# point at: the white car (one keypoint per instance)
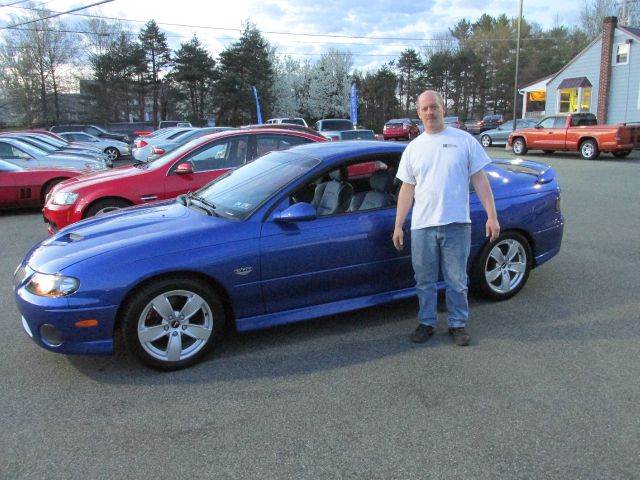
(290, 120)
(114, 149)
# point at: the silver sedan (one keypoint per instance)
(114, 149)
(499, 135)
(27, 155)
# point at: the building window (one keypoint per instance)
(622, 54)
(573, 100)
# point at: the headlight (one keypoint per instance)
(64, 198)
(47, 285)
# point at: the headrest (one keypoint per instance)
(336, 175)
(381, 181)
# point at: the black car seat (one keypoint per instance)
(379, 196)
(333, 196)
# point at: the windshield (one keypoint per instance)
(29, 148)
(178, 133)
(294, 121)
(37, 144)
(240, 192)
(336, 125)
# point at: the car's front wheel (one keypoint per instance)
(485, 140)
(503, 267)
(112, 153)
(171, 323)
(519, 146)
(107, 205)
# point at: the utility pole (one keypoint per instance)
(515, 86)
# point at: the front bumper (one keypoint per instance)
(59, 216)
(42, 313)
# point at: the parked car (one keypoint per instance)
(488, 122)
(455, 122)
(165, 145)
(499, 135)
(400, 129)
(286, 238)
(329, 126)
(578, 132)
(173, 123)
(113, 149)
(286, 126)
(360, 134)
(53, 145)
(143, 147)
(91, 130)
(185, 169)
(289, 120)
(24, 187)
(27, 155)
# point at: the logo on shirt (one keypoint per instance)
(449, 145)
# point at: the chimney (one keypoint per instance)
(608, 29)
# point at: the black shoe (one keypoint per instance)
(422, 333)
(460, 336)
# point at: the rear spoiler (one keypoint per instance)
(544, 173)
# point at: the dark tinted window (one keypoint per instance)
(269, 143)
(337, 125)
(294, 121)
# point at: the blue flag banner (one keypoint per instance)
(258, 112)
(354, 105)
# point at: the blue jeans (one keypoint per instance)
(444, 247)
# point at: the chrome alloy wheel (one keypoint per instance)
(588, 150)
(506, 266)
(175, 325)
(485, 140)
(112, 153)
(518, 146)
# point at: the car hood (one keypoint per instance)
(135, 233)
(90, 179)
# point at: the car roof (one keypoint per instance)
(334, 152)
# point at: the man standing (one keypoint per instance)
(435, 170)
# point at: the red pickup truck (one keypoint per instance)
(578, 132)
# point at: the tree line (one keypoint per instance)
(126, 73)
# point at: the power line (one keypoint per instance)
(14, 3)
(206, 27)
(57, 14)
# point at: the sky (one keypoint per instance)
(315, 27)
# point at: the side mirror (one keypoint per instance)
(184, 168)
(537, 126)
(298, 212)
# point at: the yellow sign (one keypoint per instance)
(538, 96)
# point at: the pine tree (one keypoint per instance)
(158, 57)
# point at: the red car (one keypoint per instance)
(184, 169)
(400, 129)
(23, 188)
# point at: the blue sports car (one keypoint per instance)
(294, 235)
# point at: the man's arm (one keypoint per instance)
(483, 190)
(405, 201)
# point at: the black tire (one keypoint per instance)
(519, 146)
(484, 264)
(105, 206)
(548, 152)
(149, 353)
(485, 141)
(589, 150)
(112, 153)
(621, 153)
(47, 188)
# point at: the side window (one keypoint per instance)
(268, 143)
(547, 122)
(227, 154)
(93, 131)
(560, 122)
(6, 151)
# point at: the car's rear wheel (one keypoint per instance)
(172, 322)
(519, 146)
(112, 153)
(502, 267)
(621, 153)
(107, 205)
(548, 152)
(589, 150)
(485, 140)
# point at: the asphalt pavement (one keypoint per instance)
(548, 389)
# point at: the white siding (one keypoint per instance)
(587, 65)
(624, 105)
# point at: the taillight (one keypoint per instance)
(157, 151)
(141, 143)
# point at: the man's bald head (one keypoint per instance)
(431, 111)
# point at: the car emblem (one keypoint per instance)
(243, 271)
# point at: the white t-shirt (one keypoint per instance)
(439, 165)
